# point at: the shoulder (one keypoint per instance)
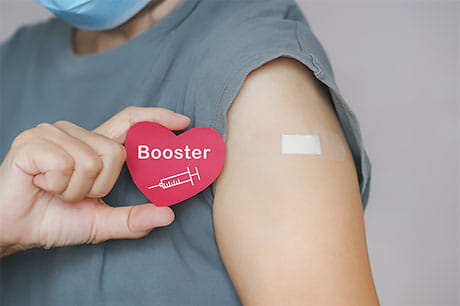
(240, 37)
(288, 90)
(25, 41)
(243, 42)
(27, 34)
(238, 30)
(307, 205)
(283, 97)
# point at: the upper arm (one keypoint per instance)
(290, 229)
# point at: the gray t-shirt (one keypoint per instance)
(193, 61)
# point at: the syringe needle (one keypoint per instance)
(151, 187)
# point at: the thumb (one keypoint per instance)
(117, 126)
(128, 222)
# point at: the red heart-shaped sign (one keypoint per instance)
(168, 168)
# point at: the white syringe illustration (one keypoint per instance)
(178, 179)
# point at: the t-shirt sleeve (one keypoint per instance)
(249, 46)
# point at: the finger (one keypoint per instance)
(128, 222)
(49, 164)
(113, 155)
(116, 127)
(87, 163)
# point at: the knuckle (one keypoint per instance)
(129, 112)
(122, 154)
(21, 138)
(56, 187)
(28, 135)
(130, 109)
(93, 238)
(99, 193)
(116, 151)
(24, 137)
(71, 196)
(90, 166)
(64, 165)
(61, 123)
(43, 125)
(94, 235)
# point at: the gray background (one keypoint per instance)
(397, 63)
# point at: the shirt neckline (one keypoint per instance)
(151, 35)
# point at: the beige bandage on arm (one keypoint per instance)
(318, 145)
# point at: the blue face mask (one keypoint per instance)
(94, 14)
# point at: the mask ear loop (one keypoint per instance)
(321, 145)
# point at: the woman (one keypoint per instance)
(274, 229)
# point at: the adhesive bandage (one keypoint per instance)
(318, 145)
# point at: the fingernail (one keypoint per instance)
(162, 216)
(182, 117)
(146, 217)
(163, 221)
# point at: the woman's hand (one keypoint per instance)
(54, 175)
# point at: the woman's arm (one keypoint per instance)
(289, 228)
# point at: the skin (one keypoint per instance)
(90, 42)
(290, 229)
(64, 169)
(292, 234)
(54, 176)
